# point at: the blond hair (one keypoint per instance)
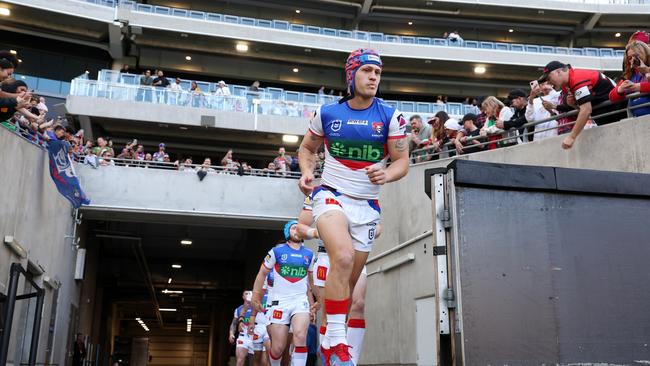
(493, 104)
(643, 50)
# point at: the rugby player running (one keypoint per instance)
(360, 133)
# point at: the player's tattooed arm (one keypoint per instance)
(399, 155)
(400, 145)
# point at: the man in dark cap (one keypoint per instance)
(585, 88)
(518, 102)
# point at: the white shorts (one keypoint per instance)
(244, 341)
(281, 311)
(260, 335)
(363, 215)
(322, 266)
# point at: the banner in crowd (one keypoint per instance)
(63, 173)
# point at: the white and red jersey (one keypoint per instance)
(290, 268)
(355, 140)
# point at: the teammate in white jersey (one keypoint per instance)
(291, 264)
(356, 317)
(239, 331)
(361, 133)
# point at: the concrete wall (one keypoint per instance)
(39, 218)
(407, 212)
(261, 201)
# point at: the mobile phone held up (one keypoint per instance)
(636, 62)
(534, 84)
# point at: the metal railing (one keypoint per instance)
(449, 148)
(251, 102)
(102, 162)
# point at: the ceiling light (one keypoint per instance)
(479, 70)
(166, 291)
(297, 11)
(241, 47)
(186, 242)
(13, 52)
(295, 69)
(169, 280)
(410, 23)
(5, 12)
(177, 266)
(166, 309)
(138, 319)
(201, 331)
(291, 139)
(617, 35)
(510, 30)
(188, 58)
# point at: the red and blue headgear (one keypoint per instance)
(358, 58)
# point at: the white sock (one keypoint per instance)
(299, 357)
(275, 362)
(335, 333)
(356, 332)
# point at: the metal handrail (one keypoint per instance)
(572, 113)
(218, 169)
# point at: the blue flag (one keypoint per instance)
(63, 173)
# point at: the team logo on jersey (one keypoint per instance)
(277, 314)
(371, 233)
(360, 151)
(321, 273)
(378, 127)
(307, 260)
(336, 125)
(283, 257)
(291, 273)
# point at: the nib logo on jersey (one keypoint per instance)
(291, 273)
(356, 154)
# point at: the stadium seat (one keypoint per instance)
(309, 98)
(455, 109)
(328, 32)
(440, 42)
(487, 45)
(292, 96)
(344, 33)
(239, 90)
(392, 103)
(247, 21)
(376, 37)
(502, 46)
(197, 14)
(577, 51)
(281, 24)
(471, 44)
(620, 53)
(547, 49)
(407, 106)
(391, 38)
(231, 19)
(264, 23)
(361, 35)
(146, 8)
(423, 107)
(128, 4)
(162, 10)
(130, 79)
(179, 12)
(532, 48)
(438, 107)
(408, 39)
(423, 41)
(204, 85)
(297, 28)
(562, 50)
(517, 47)
(313, 30)
(606, 52)
(590, 51)
(275, 93)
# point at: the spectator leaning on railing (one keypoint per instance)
(587, 88)
(495, 112)
(462, 143)
(518, 98)
(636, 78)
(419, 138)
(542, 104)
